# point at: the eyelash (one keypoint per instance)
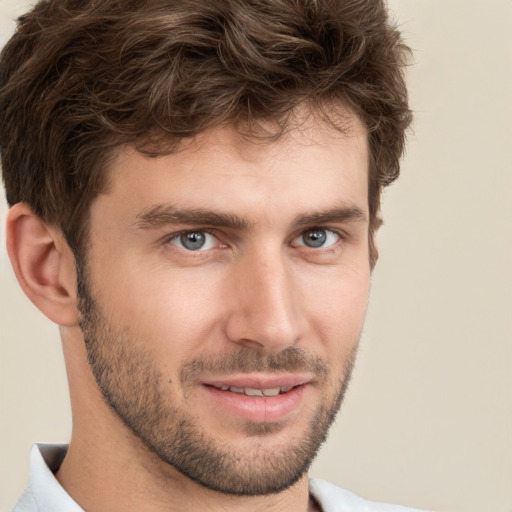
(176, 236)
(317, 229)
(341, 237)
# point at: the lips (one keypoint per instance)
(258, 399)
(257, 392)
(256, 381)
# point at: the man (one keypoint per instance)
(194, 191)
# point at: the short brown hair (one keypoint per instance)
(81, 77)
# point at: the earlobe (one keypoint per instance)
(43, 264)
(374, 250)
(374, 255)
(373, 232)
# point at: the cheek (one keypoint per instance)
(337, 307)
(171, 312)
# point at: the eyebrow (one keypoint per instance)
(161, 215)
(345, 213)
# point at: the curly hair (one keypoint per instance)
(81, 77)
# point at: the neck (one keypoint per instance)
(102, 478)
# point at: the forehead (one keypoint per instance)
(220, 169)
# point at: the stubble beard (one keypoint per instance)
(132, 386)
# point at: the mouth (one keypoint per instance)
(258, 400)
(256, 391)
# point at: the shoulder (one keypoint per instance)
(335, 499)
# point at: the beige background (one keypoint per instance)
(428, 420)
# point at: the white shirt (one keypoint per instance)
(45, 494)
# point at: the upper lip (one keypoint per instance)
(258, 381)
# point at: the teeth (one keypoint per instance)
(253, 392)
(257, 392)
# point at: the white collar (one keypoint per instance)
(44, 492)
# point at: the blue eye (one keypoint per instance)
(317, 238)
(194, 240)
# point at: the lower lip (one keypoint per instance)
(256, 408)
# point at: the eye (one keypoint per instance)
(194, 240)
(317, 238)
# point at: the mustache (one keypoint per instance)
(291, 359)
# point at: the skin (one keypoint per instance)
(255, 292)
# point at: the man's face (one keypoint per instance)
(223, 296)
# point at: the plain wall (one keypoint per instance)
(428, 418)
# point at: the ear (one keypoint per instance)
(43, 263)
(374, 252)
(372, 241)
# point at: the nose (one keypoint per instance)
(265, 312)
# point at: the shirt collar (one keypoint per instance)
(45, 460)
